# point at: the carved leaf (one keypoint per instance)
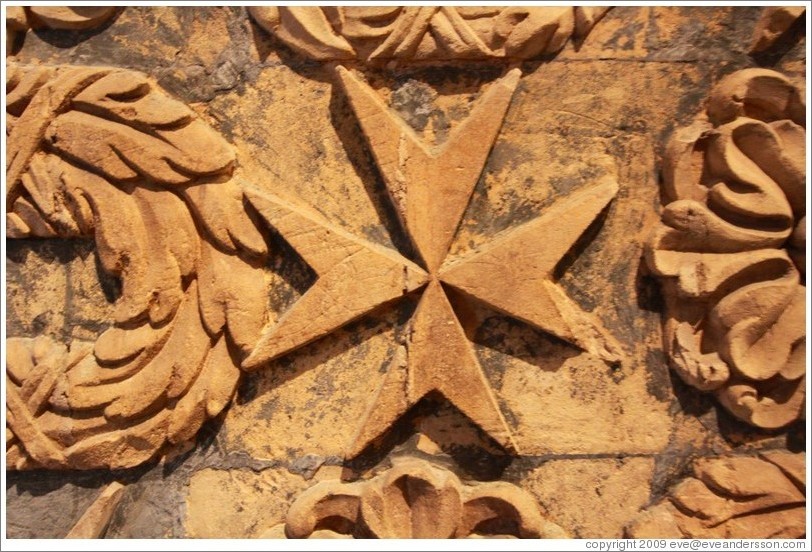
(425, 32)
(732, 497)
(103, 152)
(60, 17)
(728, 248)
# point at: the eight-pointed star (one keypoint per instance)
(431, 189)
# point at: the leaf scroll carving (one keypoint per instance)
(103, 152)
(732, 497)
(729, 251)
(426, 32)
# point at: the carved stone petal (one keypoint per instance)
(771, 405)
(749, 483)
(756, 93)
(305, 29)
(72, 18)
(413, 500)
(737, 155)
(766, 324)
(505, 505)
(692, 226)
(366, 22)
(683, 163)
(536, 30)
(709, 276)
(326, 500)
(705, 371)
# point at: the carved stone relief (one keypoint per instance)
(732, 497)
(730, 250)
(414, 499)
(775, 21)
(511, 274)
(390, 278)
(426, 32)
(63, 18)
(103, 152)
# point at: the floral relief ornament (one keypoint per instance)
(414, 499)
(426, 32)
(730, 249)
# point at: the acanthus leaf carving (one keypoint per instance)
(103, 152)
(727, 251)
(414, 499)
(426, 32)
(732, 497)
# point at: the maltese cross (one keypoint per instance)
(430, 188)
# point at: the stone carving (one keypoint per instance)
(414, 499)
(430, 188)
(103, 152)
(96, 519)
(732, 497)
(774, 22)
(730, 250)
(73, 18)
(426, 32)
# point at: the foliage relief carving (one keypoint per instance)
(730, 249)
(426, 32)
(103, 152)
(732, 498)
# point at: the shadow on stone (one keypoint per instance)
(436, 420)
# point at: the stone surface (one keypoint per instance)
(616, 487)
(358, 244)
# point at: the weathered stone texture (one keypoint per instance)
(327, 372)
